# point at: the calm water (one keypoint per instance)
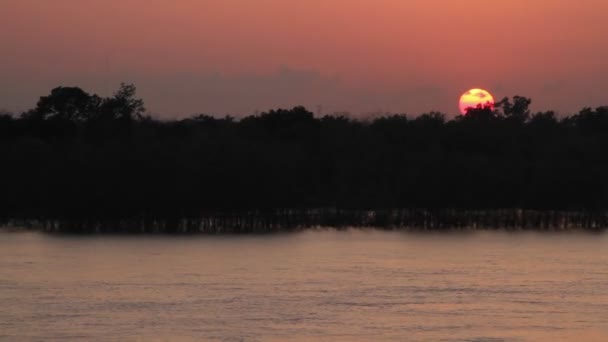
(313, 286)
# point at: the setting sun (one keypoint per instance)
(474, 98)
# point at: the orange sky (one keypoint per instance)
(239, 56)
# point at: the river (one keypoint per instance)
(353, 285)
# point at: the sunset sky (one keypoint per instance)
(242, 56)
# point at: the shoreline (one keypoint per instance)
(286, 220)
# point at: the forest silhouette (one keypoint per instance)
(84, 163)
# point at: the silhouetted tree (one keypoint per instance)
(83, 161)
(481, 113)
(123, 106)
(56, 115)
(116, 115)
(7, 125)
(517, 111)
(65, 104)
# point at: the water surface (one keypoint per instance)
(311, 286)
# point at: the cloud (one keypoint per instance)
(481, 95)
(187, 93)
(183, 94)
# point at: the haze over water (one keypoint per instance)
(312, 286)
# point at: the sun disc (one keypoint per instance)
(474, 98)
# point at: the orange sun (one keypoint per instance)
(474, 98)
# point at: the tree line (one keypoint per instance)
(81, 159)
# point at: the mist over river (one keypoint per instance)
(319, 285)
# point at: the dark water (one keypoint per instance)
(313, 286)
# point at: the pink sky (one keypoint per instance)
(239, 56)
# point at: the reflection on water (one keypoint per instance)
(312, 286)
